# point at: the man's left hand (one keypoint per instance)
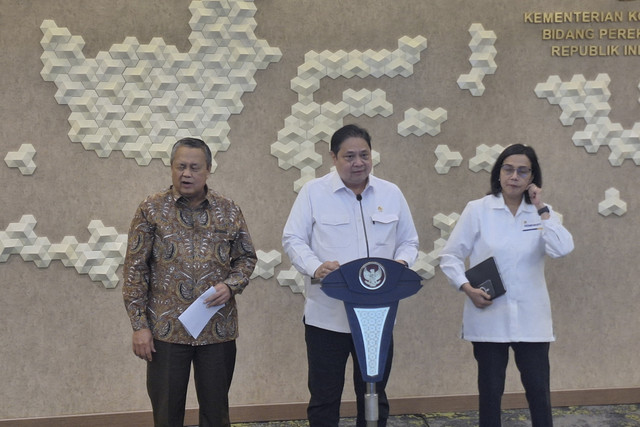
(222, 295)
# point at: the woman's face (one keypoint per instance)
(515, 176)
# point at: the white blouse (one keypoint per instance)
(519, 244)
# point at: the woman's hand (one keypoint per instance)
(480, 298)
(535, 195)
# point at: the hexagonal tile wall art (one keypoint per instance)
(139, 98)
(419, 122)
(22, 159)
(99, 258)
(482, 59)
(311, 122)
(426, 263)
(580, 98)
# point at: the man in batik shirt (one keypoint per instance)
(183, 241)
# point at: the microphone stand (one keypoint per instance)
(371, 405)
(371, 415)
(364, 226)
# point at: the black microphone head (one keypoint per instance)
(358, 197)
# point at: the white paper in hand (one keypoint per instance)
(196, 317)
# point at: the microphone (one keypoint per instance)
(364, 226)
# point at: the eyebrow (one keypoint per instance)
(189, 164)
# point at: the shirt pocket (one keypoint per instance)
(333, 231)
(385, 226)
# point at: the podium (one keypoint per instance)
(370, 289)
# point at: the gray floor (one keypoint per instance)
(579, 416)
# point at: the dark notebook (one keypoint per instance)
(486, 276)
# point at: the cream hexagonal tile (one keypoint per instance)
(267, 261)
(293, 279)
(485, 157)
(22, 159)
(446, 159)
(612, 203)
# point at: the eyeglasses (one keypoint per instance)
(522, 171)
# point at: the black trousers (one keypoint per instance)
(168, 377)
(532, 360)
(327, 354)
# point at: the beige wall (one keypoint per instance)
(66, 339)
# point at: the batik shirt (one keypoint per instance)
(175, 253)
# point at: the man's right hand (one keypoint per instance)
(326, 268)
(143, 344)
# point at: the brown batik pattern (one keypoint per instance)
(176, 253)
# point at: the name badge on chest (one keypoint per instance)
(531, 226)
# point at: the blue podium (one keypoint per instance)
(370, 289)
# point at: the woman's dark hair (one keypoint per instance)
(346, 132)
(511, 150)
(193, 143)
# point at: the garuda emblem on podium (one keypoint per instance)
(372, 275)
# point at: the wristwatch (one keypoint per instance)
(543, 210)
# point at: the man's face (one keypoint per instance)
(189, 172)
(353, 163)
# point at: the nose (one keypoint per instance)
(358, 160)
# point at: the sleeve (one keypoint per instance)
(242, 256)
(459, 247)
(296, 236)
(558, 242)
(407, 236)
(136, 269)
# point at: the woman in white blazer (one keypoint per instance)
(513, 225)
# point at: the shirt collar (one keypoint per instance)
(177, 196)
(497, 202)
(337, 184)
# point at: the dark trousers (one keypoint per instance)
(532, 360)
(168, 377)
(327, 354)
